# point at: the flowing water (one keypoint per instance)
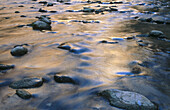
(96, 66)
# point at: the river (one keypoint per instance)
(98, 66)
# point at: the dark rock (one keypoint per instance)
(98, 11)
(103, 41)
(23, 16)
(113, 9)
(129, 38)
(67, 3)
(136, 70)
(21, 26)
(40, 25)
(19, 51)
(156, 33)
(160, 20)
(143, 44)
(27, 83)
(70, 11)
(64, 79)
(145, 19)
(17, 12)
(21, 6)
(50, 4)
(118, 2)
(23, 94)
(127, 100)
(7, 17)
(43, 2)
(65, 47)
(41, 10)
(53, 11)
(6, 67)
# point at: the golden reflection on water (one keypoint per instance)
(96, 68)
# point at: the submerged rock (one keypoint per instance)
(27, 83)
(19, 51)
(6, 67)
(40, 25)
(23, 94)
(127, 100)
(136, 70)
(156, 33)
(64, 79)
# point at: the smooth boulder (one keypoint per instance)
(19, 51)
(156, 33)
(127, 100)
(27, 83)
(23, 94)
(41, 25)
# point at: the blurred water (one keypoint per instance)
(95, 66)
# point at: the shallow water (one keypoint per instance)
(94, 65)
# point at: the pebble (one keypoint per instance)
(17, 12)
(19, 51)
(23, 94)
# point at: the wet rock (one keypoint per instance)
(43, 2)
(45, 19)
(129, 38)
(119, 2)
(98, 11)
(27, 83)
(67, 3)
(64, 79)
(41, 10)
(79, 51)
(65, 47)
(160, 20)
(104, 41)
(6, 67)
(145, 19)
(50, 4)
(156, 33)
(127, 100)
(136, 70)
(143, 44)
(88, 9)
(113, 9)
(20, 26)
(17, 12)
(21, 6)
(19, 51)
(53, 11)
(23, 94)
(40, 25)
(70, 11)
(23, 16)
